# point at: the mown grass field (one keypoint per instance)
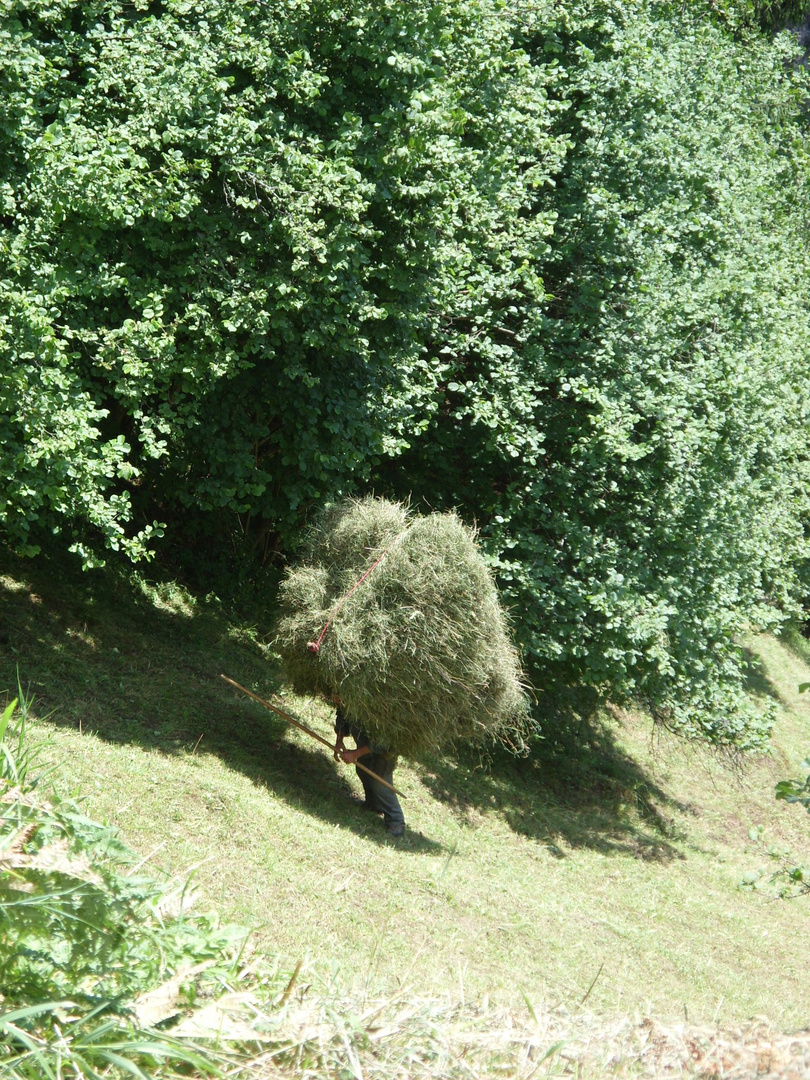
(601, 873)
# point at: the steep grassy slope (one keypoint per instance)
(604, 870)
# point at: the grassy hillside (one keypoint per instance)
(601, 874)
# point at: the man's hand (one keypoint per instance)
(351, 756)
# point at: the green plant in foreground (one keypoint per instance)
(82, 939)
(791, 878)
(43, 1040)
(797, 790)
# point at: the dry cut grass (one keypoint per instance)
(319, 1034)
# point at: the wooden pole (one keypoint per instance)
(302, 727)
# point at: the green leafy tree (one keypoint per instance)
(652, 504)
(226, 230)
(764, 14)
(537, 261)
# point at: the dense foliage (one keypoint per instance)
(541, 261)
(673, 357)
(225, 230)
(767, 14)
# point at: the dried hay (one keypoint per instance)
(409, 1037)
(419, 652)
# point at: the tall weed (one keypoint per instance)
(83, 939)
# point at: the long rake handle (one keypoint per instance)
(302, 727)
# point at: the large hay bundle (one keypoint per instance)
(419, 651)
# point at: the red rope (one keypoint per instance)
(315, 646)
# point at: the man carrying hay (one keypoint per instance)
(379, 798)
(396, 616)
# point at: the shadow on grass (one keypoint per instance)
(101, 653)
(757, 682)
(795, 637)
(309, 780)
(577, 788)
(141, 664)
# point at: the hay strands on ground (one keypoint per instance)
(302, 727)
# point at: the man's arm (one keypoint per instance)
(342, 729)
